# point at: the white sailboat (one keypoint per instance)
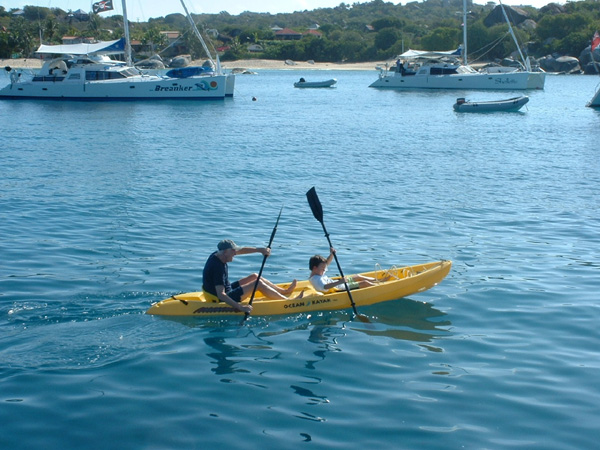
(86, 72)
(438, 71)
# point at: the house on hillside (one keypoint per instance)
(288, 35)
(175, 46)
(172, 36)
(80, 15)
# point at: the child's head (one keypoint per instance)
(316, 261)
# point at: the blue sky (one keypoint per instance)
(142, 10)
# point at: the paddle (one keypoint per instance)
(262, 266)
(317, 210)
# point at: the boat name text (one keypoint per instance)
(172, 88)
(504, 81)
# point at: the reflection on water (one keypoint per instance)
(233, 345)
(418, 321)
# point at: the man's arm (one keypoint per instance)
(247, 250)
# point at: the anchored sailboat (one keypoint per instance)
(86, 72)
(436, 70)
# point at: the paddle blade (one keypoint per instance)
(315, 204)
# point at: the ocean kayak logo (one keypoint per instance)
(306, 303)
(204, 85)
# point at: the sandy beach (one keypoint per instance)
(249, 64)
(257, 64)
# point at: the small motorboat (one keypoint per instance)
(315, 84)
(507, 105)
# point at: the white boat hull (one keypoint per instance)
(138, 88)
(468, 81)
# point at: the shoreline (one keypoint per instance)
(242, 64)
(269, 64)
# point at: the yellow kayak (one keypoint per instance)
(391, 284)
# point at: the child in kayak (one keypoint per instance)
(322, 283)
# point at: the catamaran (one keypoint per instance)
(87, 72)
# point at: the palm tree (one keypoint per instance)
(50, 28)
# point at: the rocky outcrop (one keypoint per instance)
(560, 64)
(154, 62)
(180, 61)
(552, 9)
(515, 15)
(528, 25)
(587, 62)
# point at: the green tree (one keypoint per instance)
(386, 38)
(153, 37)
(22, 37)
(388, 22)
(561, 25)
(442, 39)
(50, 29)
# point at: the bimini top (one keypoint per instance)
(429, 54)
(106, 48)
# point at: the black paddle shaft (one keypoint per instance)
(265, 257)
(317, 210)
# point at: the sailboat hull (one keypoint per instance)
(471, 81)
(134, 88)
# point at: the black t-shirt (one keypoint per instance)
(215, 273)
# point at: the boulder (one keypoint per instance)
(180, 61)
(552, 9)
(510, 62)
(568, 64)
(150, 64)
(515, 15)
(585, 57)
(591, 68)
(528, 25)
(561, 64)
(208, 63)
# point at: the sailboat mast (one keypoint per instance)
(512, 33)
(465, 32)
(196, 32)
(127, 38)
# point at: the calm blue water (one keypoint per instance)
(106, 208)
